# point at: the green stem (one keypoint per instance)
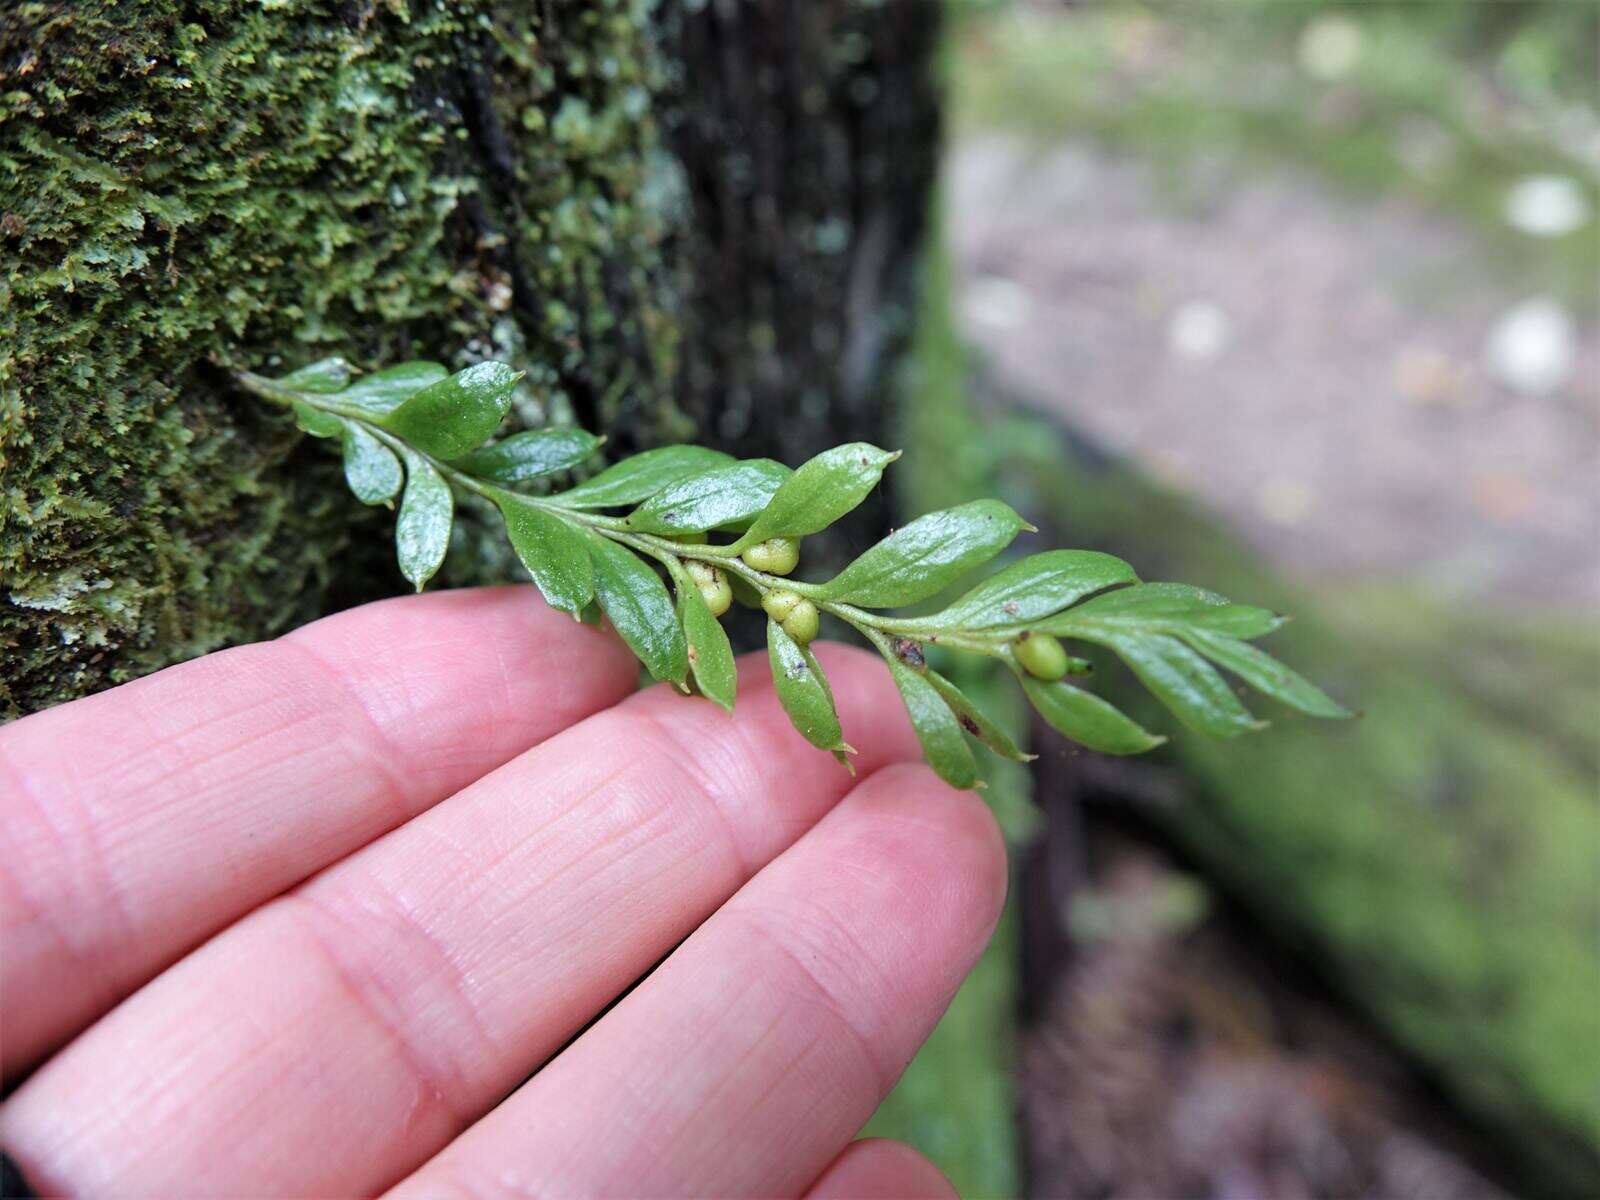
(877, 629)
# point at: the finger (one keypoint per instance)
(877, 1169)
(141, 820)
(750, 1058)
(333, 1040)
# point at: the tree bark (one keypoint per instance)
(692, 221)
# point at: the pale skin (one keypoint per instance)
(302, 918)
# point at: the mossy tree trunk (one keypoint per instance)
(683, 219)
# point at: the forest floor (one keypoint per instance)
(1316, 370)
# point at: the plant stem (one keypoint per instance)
(877, 629)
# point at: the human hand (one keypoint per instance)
(293, 919)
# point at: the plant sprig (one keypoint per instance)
(716, 528)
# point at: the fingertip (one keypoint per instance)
(495, 663)
(945, 832)
(881, 1169)
(871, 713)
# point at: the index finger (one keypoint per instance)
(140, 821)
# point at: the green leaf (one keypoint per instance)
(710, 653)
(974, 720)
(531, 455)
(936, 726)
(555, 553)
(926, 556)
(1264, 673)
(1155, 597)
(1185, 683)
(1162, 608)
(1238, 620)
(422, 531)
(722, 496)
(1035, 587)
(1086, 718)
(640, 609)
(370, 467)
(383, 391)
(316, 422)
(448, 418)
(819, 492)
(642, 476)
(803, 691)
(328, 375)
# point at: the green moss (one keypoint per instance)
(187, 185)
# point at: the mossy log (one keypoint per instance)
(1435, 860)
(683, 220)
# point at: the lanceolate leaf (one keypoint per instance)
(1086, 718)
(370, 467)
(1238, 620)
(382, 391)
(1035, 587)
(1185, 683)
(422, 531)
(936, 726)
(974, 720)
(1264, 673)
(710, 654)
(637, 602)
(711, 499)
(555, 553)
(803, 690)
(1156, 597)
(328, 375)
(642, 476)
(820, 492)
(1162, 608)
(448, 418)
(523, 457)
(926, 556)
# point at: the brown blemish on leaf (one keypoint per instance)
(910, 653)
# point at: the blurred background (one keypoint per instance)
(1296, 301)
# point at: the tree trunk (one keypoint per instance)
(697, 220)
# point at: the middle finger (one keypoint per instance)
(340, 1036)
